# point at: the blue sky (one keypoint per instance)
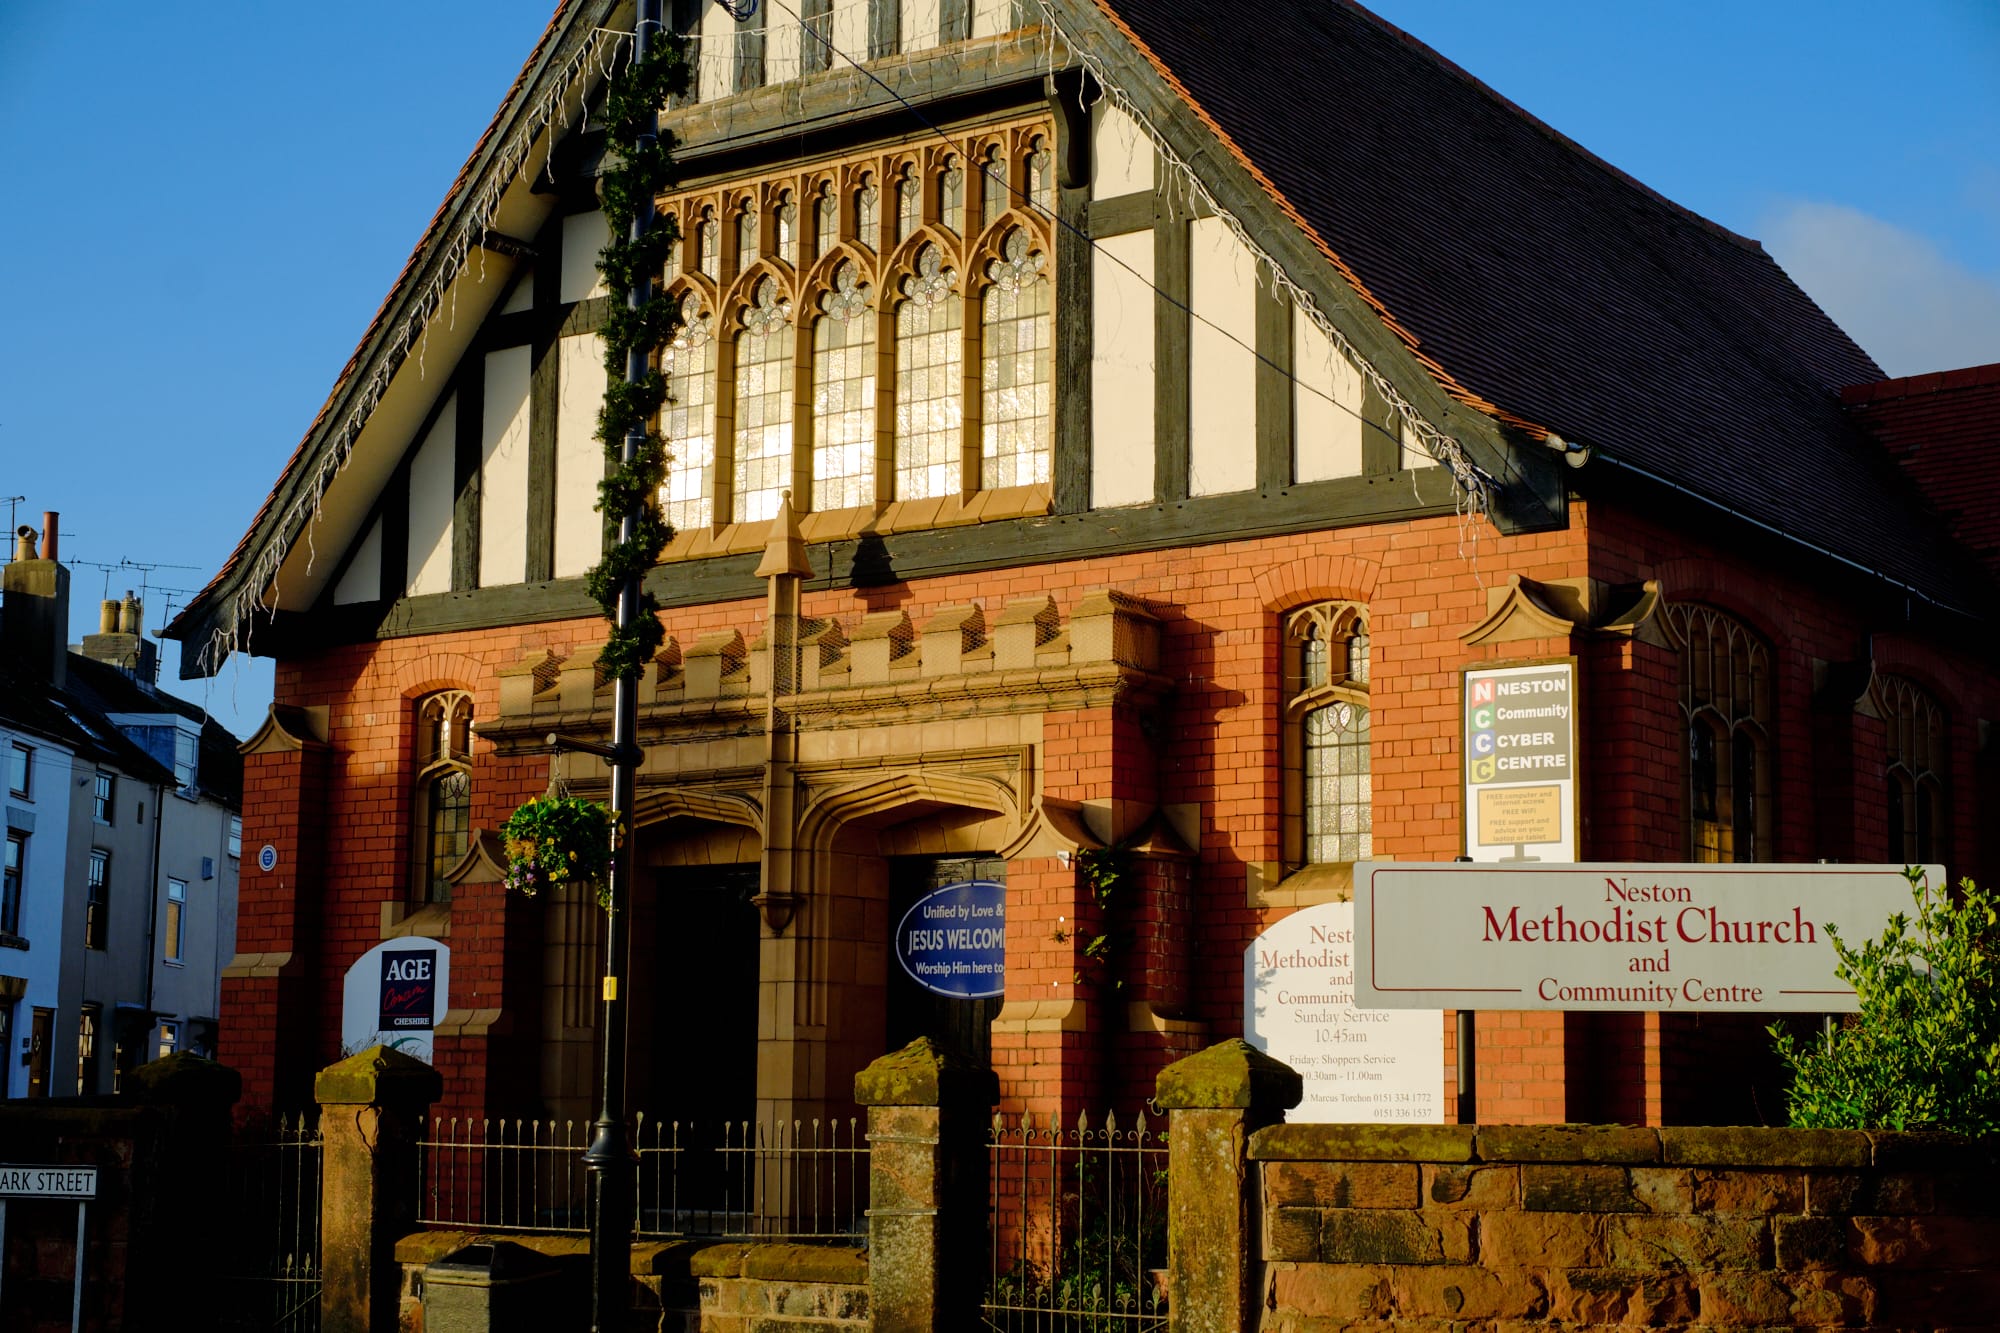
(207, 203)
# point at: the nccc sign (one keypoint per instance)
(1615, 937)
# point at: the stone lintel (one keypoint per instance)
(1229, 1075)
(257, 964)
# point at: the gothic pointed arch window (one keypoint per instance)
(1916, 789)
(688, 419)
(868, 211)
(441, 793)
(1017, 368)
(826, 221)
(1726, 716)
(764, 392)
(1329, 812)
(951, 195)
(992, 186)
(785, 221)
(930, 400)
(843, 465)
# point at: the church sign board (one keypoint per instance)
(1646, 936)
(1520, 762)
(1360, 1066)
(953, 940)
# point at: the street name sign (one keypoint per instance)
(1360, 1066)
(1646, 936)
(48, 1182)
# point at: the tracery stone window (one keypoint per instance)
(1916, 793)
(689, 366)
(930, 396)
(909, 204)
(763, 444)
(1726, 711)
(867, 212)
(951, 195)
(441, 792)
(708, 245)
(1041, 175)
(785, 222)
(993, 191)
(826, 222)
(746, 236)
(1329, 793)
(1017, 368)
(843, 473)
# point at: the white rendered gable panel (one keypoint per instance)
(850, 32)
(503, 469)
(1121, 156)
(990, 18)
(584, 235)
(917, 24)
(579, 456)
(362, 582)
(1413, 454)
(1121, 371)
(521, 296)
(1222, 346)
(432, 495)
(715, 72)
(781, 47)
(1326, 406)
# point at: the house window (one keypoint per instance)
(1726, 713)
(689, 363)
(170, 1040)
(763, 444)
(10, 883)
(186, 757)
(86, 1050)
(21, 769)
(171, 937)
(1017, 369)
(929, 381)
(443, 801)
(1916, 786)
(1329, 813)
(844, 395)
(101, 798)
(97, 901)
(236, 837)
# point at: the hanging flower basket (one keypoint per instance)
(558, 840)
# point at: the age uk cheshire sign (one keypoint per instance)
(1664, 937)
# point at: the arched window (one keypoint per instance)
(689, 419)
(909, 204)
(786, 221)
(867, 212)
(1726, 716)
(708, 245)
(442, 792)
(1041, 175)
(763, 453)
(671, 268)
(951, 195)
(1017, 369)
(826, 224)
(992, 186)
(746, 236)
(1916, 786)
(843, 473)
(1329, 814)
(930, 407)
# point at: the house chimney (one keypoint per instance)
(121, 640)
(34, 621)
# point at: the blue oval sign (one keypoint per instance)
(953, 940)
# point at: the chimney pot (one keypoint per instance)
(49, 517)
(107, 616)
(130, 620)
(24, 543)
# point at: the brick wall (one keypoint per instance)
(1564, 1227)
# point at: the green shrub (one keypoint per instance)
(1924, 1051)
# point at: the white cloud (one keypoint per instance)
(1893, 290)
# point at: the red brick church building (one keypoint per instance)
(1161, 446)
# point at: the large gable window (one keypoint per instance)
(930, 396)
(1726, 714)
(1329, 792)
(1017, 368)
(763, 404)
(442, 791)
(1916, 787)
(843, 473)
(689, 365)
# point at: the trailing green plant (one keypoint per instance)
(558, 840)
(1106, 873)
(1924, 1050)
(631, 490)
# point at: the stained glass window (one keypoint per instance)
(672, 268)
(1917, 761)
(708, 245)
(1339, 796)
(844, 395)
(1041, 175)
(909, 205)
(1726, 710)
(867, 213)
(746, 237)
(992, 187)
(688, 419)
(1017, 369)
(763, 405)
(787, 221)
(1329, 787)
(826, 229)
(443, 805)
(951, 195)
(930, 409)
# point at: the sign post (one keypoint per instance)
(1646, 936)
(51, 1182)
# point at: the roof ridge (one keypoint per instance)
(1459, 72)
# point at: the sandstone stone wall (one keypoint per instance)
(1513, 1229)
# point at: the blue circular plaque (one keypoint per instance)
(267, 858)
(953, 940)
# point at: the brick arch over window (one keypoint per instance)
(1727, 699)
(1317, 578)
